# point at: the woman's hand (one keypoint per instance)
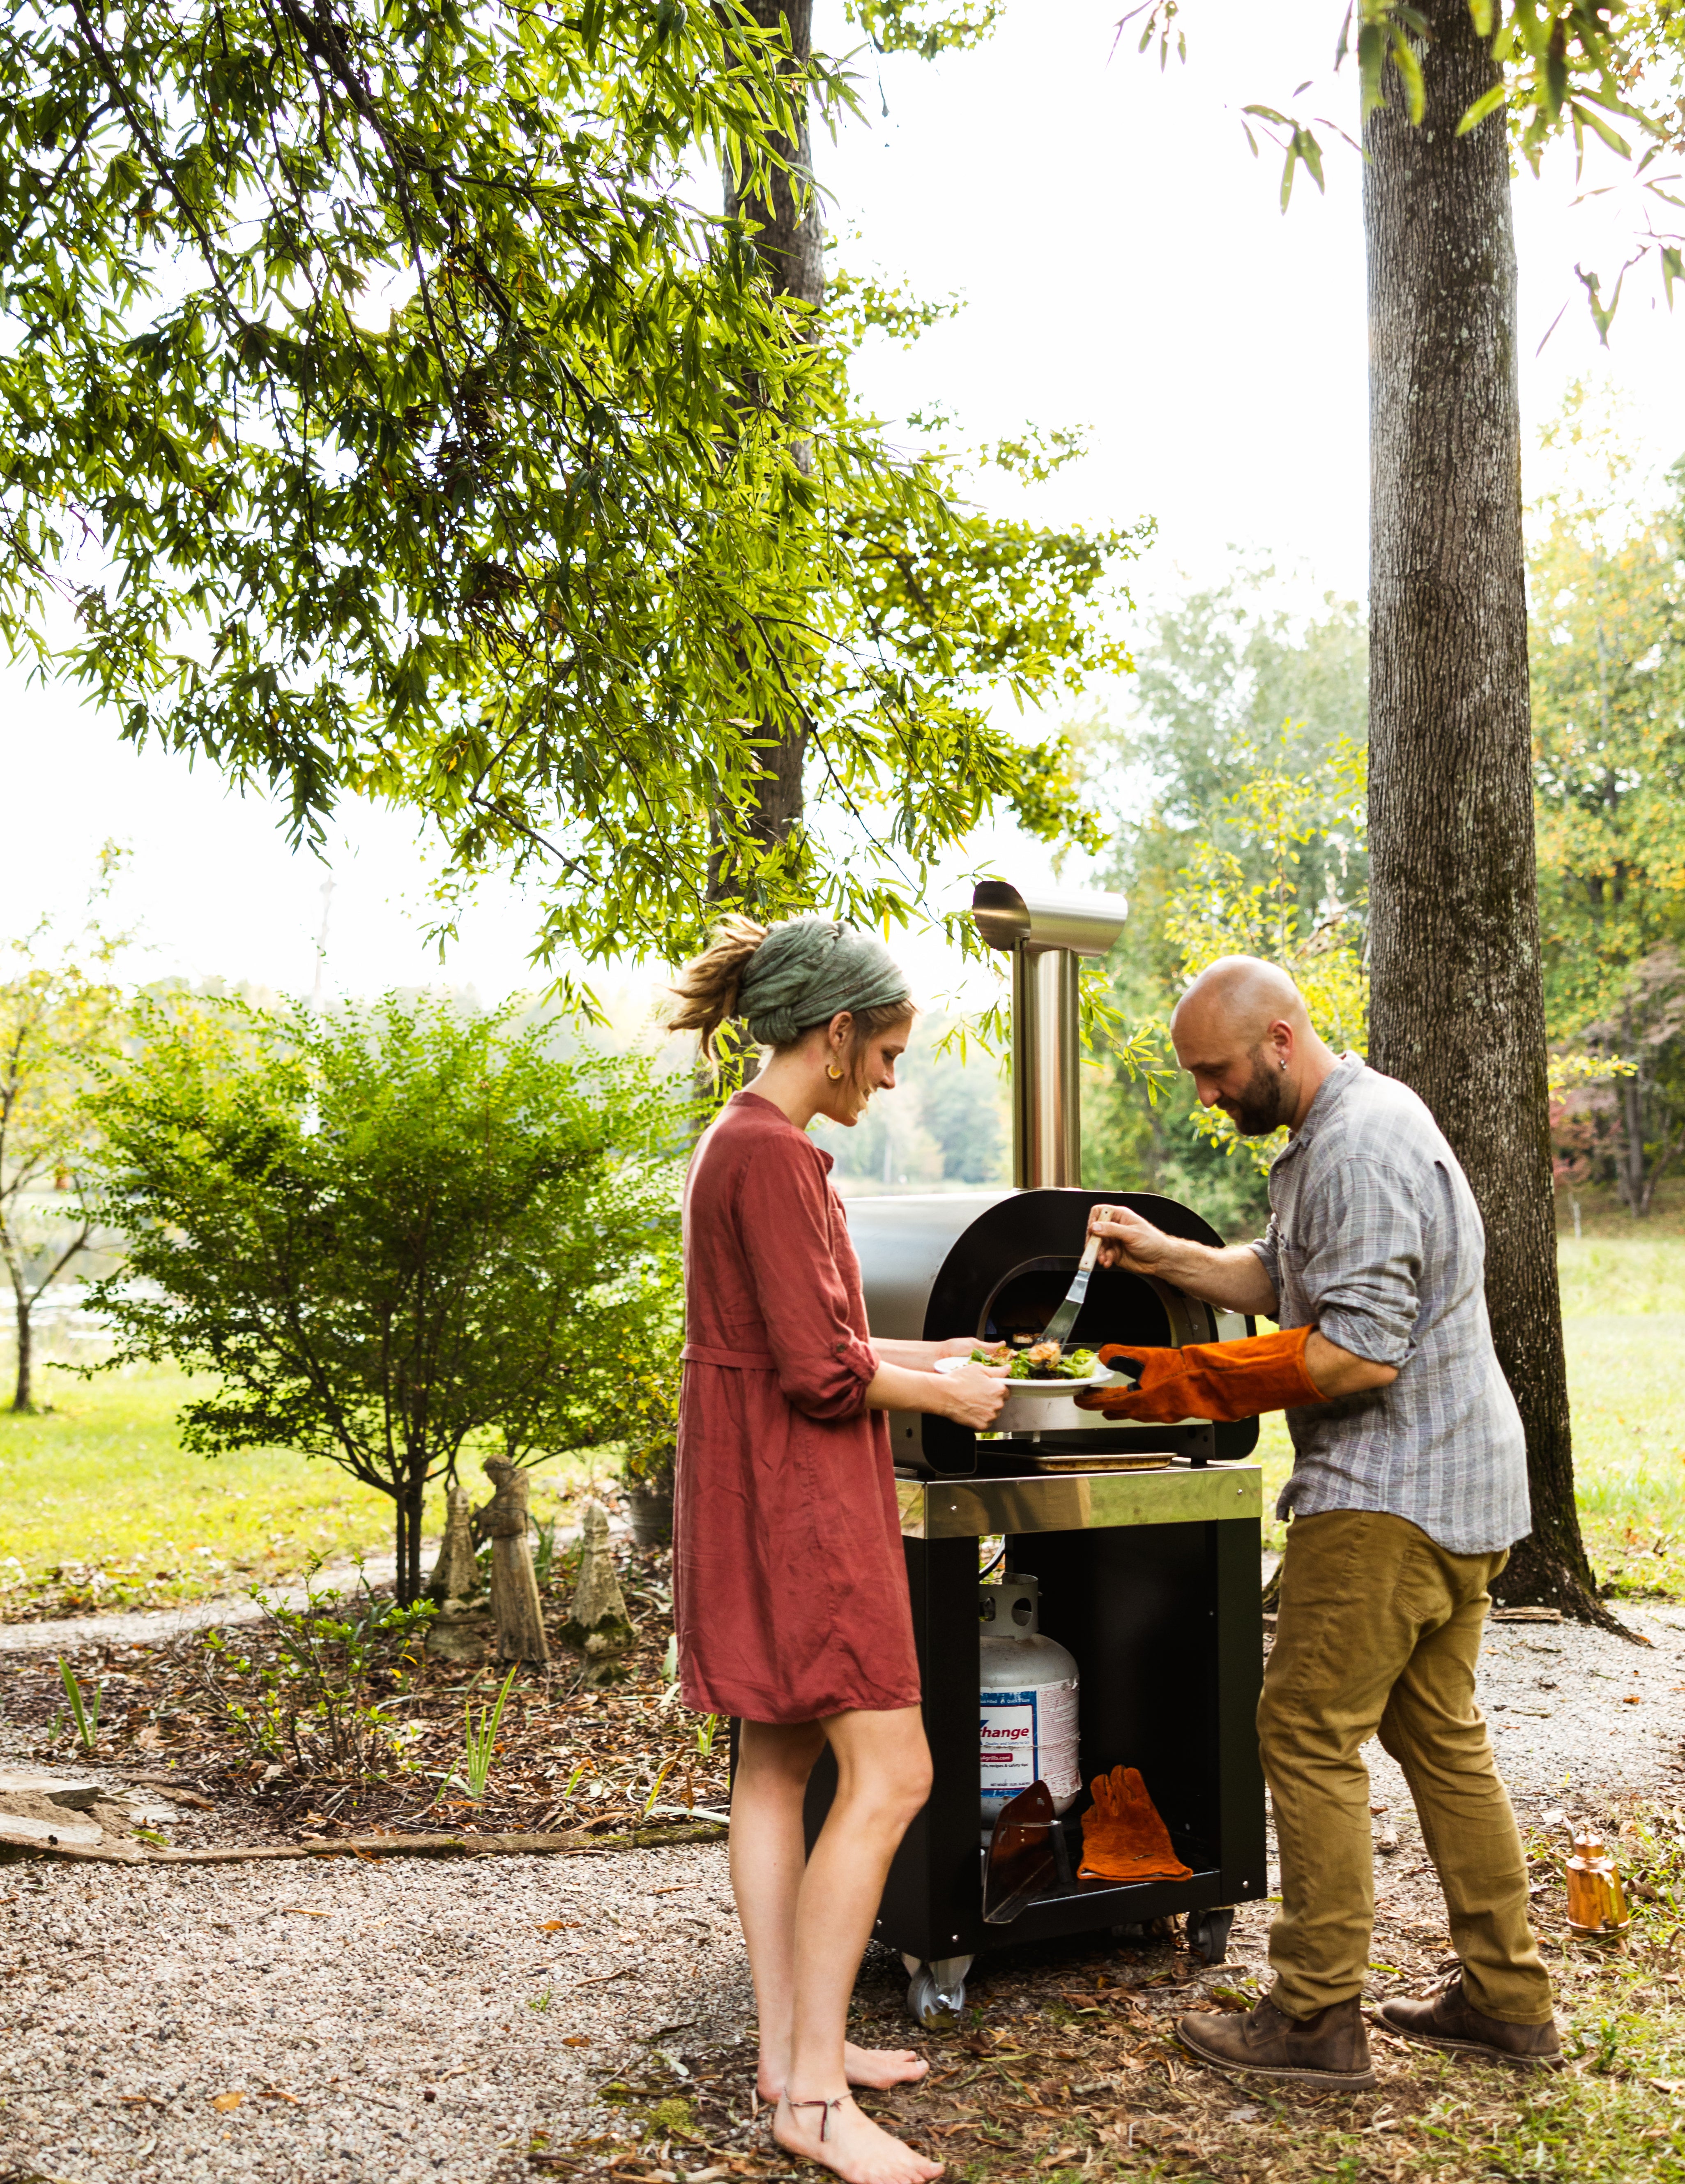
(972, 1396)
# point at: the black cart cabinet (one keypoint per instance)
(1151, 1579)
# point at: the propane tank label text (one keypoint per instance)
(1029, 1736)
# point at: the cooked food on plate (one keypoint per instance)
(1042, 1361)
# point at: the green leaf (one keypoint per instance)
(1487, 103)
(1603, 314)
(1585, 112)
(1409, 65)
(1372, 54)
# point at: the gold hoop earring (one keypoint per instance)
(834, 1072)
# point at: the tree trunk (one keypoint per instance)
(1458, 1005)
(412, 1587)
(790, 242)
(1631, 1169)
(400, 1560)
(22, 1395)
(408, 1497)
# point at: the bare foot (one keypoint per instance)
(882, 2067)
(876, 2068)
(837, 2135)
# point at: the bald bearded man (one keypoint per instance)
(1409, 1487)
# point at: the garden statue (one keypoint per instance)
(515, 1606)
(598, 1626)
(456, 1574)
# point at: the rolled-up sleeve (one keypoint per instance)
(1362, 1260)
(784, 1215)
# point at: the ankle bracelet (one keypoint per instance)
(824, 2106)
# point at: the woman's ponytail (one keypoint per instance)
(707, 989)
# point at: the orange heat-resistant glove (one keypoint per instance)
(1123, 1838)
(1208, 1380)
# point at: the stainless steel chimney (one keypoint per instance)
(1045, 934)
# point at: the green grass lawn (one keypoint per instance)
(100, 1507)
(99, 1490)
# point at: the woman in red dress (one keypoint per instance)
(790, 1592)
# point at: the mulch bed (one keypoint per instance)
(568, 1756)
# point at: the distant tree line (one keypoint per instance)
(1243, 767)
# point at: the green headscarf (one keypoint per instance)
(807, 971)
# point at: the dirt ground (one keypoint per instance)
(589, 2016)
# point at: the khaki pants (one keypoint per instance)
(1377, 1633)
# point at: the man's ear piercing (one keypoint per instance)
(1284, 1065)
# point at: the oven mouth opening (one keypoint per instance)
(1120, 1306)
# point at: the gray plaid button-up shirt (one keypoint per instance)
(1375, 1237)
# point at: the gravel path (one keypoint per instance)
(157, 1626)
(412, 2018)
(1577, 1715)
(400, 2021)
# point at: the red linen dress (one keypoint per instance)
(789, 1585)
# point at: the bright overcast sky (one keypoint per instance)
(1124, 269)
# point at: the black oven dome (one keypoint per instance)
(995, 1263)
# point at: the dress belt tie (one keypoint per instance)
(745, 1361)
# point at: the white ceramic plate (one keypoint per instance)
(1098, 1378)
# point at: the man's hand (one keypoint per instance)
(1128, 1241)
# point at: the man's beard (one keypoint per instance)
(1260, 1108)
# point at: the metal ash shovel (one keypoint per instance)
(1023, 1861)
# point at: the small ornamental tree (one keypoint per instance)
(58, 1013)
(392, 1236)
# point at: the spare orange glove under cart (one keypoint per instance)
(1208, 1380)
(1123, 1838)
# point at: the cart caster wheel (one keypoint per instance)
(936, 2007)
(1208, 1935)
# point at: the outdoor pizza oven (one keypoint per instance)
(1142, 1541)
(997, 1263)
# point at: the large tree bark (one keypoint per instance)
(790, 241)
(1458, 1007)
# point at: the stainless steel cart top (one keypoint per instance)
(1079, 1501)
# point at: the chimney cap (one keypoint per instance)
(1085, 924)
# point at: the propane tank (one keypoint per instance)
(1028, 1701)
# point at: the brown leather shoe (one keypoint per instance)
(1450, 2020)
(1331, 2048)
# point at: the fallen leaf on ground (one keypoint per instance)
(558, 1925)
(296, 1912)
(226, 2101)
(577, 2040)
